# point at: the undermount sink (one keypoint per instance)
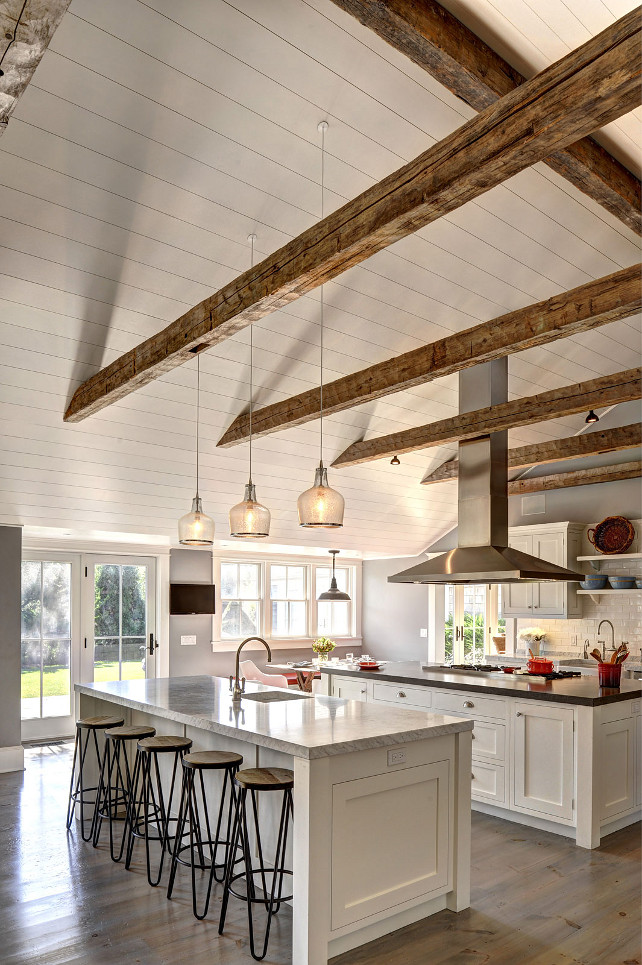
(269, 696)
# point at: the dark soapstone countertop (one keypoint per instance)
(573, 690)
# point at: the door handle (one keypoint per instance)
(152, 646)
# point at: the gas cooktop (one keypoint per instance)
(492, 668)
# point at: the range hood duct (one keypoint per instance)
(483, 554)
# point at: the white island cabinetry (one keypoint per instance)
(355, 766)
(574, 769)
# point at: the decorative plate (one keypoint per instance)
(613, 535)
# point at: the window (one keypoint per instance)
(45, 639)
(240, 600)
(333, 619)
(468, 623)
(289, 600)
(120, 621)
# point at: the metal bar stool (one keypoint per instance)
(86, 727)
(115, 784)
(257, 780)
(147, 803)
(189, 811)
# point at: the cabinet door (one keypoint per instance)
(549, 599)
(349, 688)
(638, 760)
(517, 598)
(543, 759)
(617, 772)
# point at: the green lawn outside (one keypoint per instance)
(56, 679)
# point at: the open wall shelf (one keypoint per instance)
(605, 558)
(596, 594)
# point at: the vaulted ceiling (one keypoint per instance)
(153, 138)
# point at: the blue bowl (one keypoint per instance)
(593, 581)
(622, 582)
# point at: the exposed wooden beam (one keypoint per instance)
(579, 477)
(605, 300)
(439, 43)
(587, 89)
(555, 450)
(569, 400)
(33, 30)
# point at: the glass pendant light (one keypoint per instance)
(196, 528)
(321, 507)
(334, 594)
(249, 519)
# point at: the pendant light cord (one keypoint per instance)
(198, 412)
(323, 126)
(252, 237)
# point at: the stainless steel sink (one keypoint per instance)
(270, 696)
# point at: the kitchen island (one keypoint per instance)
(561, 755)
(381, 797)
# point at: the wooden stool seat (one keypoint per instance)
(130, 733)
(212, 760)
(99, 723)
(265, 778)
(164, 742)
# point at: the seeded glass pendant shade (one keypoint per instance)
(321, 507)
(249, 519)
(196, 528)
(334, 594)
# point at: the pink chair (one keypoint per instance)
(250, 671)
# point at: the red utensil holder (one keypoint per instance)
(609, 674)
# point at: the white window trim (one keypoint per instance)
(220, 645)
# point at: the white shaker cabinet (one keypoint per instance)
(543, 759)
(558, 543)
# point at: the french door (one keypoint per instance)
(470, 615)
(119, 608)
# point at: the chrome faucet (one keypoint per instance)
(238, 688)
(612, 637)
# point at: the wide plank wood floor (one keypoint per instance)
(536, 898)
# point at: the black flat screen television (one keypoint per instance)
(190, 598)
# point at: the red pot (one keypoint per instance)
(539, 665)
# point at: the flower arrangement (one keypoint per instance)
(323, 646)
(531, 637)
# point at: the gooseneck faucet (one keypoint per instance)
(238, 687)
(612, 637)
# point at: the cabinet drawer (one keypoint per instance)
(472, 705)
(489, 741)
(416, 697)
(488, 782)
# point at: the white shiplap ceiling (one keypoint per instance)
(153, 138)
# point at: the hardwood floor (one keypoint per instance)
(536, 899)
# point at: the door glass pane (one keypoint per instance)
(107, 600)
(133, 658)
(30, 679)
(120, 621)
(449, 624)
(106, 659)
(134, 600)
(474, 622)
(56, 678)
(45, 647)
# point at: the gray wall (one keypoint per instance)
(10, 562)
(195, 566)
(190, 566)
(393, 613)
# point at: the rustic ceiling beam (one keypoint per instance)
(607, 299)
(33, 28)
(440, 44)
(554, 404)
(582, 92)
(579, 477)
(555, 450)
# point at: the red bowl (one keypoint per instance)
(368, 665)
(508, 669)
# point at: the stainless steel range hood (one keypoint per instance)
(483, 555)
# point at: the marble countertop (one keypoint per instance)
(573, 690)
(311, 727)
